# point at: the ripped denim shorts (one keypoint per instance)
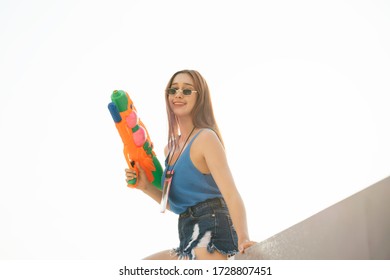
(207, 224)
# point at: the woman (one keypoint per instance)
(202, 189)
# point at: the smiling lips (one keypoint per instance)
(178, 103)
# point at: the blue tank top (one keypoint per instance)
(189, 186)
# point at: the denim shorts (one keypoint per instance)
(207, 224)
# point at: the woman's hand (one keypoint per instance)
(244, 245)
(143, 183)
(142, 180)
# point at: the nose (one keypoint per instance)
(179, 91)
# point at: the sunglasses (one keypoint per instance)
(173, 91)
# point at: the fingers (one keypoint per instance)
(244, 245)
(130, 174)
(135, 173)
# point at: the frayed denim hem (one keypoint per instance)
(211, 248)
(190, 254)
(181, 255)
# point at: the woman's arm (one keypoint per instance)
(143, 183)
(215, 158)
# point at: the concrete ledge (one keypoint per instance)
(357, 227)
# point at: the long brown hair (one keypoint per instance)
(202, 113)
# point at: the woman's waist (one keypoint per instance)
(207, 206)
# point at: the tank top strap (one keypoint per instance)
(186, 149)
(196, 135)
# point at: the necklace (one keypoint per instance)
(182, 148)
(169, 175)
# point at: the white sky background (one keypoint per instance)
(300, 90)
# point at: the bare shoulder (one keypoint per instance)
(207, 137)
(206, 145)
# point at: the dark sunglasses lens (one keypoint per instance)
(171, 91)
(187, 91)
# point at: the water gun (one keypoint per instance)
(137, 144)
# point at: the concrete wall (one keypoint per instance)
(357, 227)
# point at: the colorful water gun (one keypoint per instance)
(135, 137)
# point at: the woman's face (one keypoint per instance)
(182, 103)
